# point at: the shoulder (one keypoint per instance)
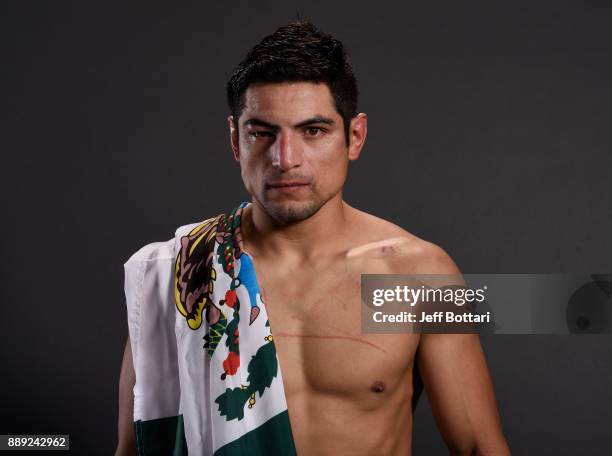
(164, 250)
(152, 251)
(400, 251)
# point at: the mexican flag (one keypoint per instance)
(208, 381)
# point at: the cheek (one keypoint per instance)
(330, 169)
(251, 172)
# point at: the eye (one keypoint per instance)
(260, 134)
(313, 132)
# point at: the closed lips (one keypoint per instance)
(286, 184)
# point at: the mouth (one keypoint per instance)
(286, 187)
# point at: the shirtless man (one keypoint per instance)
(348, 393)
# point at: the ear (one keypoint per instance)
(358, 131)
(233, 128)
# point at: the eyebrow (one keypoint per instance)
(310, 121)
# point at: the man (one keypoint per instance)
(293, 129)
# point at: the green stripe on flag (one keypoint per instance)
(161, 437)
(273, 438)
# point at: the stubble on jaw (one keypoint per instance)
(291, 214)
(295, 214)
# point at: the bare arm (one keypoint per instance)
(458, 385)
(460, 392)
(126, 445)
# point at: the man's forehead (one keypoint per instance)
(288, 101)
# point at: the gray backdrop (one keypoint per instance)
(489, 135)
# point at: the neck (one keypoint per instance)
(302, 240)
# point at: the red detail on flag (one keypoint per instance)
(230, 298)
(231, 363)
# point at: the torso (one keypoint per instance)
(347, 392)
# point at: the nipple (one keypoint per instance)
(377, 387)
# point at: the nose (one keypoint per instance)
(286, 152)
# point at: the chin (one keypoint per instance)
(289, 212)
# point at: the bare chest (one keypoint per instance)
(315, 319)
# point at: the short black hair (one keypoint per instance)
(297, 52)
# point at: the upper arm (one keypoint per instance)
(460, 391)
(125, 424)
(454, 372)
(127, 377)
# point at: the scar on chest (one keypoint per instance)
(377, 387)
(330, 337)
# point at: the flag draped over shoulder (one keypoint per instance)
(208, 381)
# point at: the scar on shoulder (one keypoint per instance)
(396, 246)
